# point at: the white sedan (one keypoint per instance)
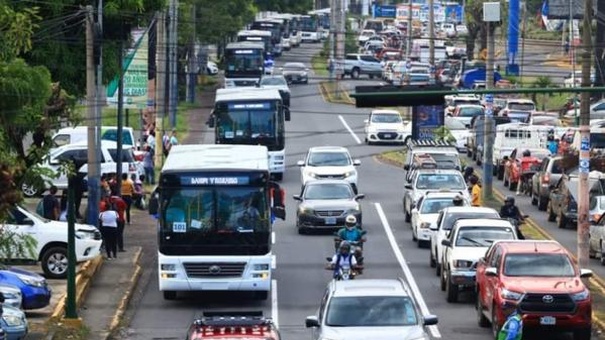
(387, 126)
(329, 162)
(424, 216)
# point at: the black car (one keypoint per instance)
(295, 73)
(325, 204)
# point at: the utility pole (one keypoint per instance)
(491, 14)
(432, 37)
(340, 38)
(600, 46)
(523, 27)
(192, 76)
(572, 60)
(120, 109)
(174, 92)
(332, 61)
(160, 83)
(408, 43)
(93, 108)
(583, 224)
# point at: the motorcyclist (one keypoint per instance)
(353, 235)
(525, 170)
(343, 259)
(513, 326)
(458, 201)
(509, 210)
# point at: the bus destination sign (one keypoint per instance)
(214, 181)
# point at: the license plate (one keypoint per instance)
(387, 135)
(548, 320)
(331, 220)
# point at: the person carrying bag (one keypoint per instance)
(108, 220)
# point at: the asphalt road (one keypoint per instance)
(299, 277)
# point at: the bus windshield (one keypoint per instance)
(308, 24)
(214, 220)
(243, 123)
(244, 62)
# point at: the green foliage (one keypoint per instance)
(218, 20)
(16, 30)
(542, 82)
(444, 134)
(15, 245)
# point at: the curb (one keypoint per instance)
(83, 280)
(123, 305)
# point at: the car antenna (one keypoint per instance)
(536, 247)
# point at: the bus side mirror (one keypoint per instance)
(210, 121)
(154, 203)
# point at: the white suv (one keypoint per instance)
(79, 152)
(445, 221)
(426, 212)
(329, 162)
(369, 309)
(467, 243)
(51, 240)
(386, 126)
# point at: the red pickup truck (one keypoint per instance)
(542, 279)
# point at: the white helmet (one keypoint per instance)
(351, 221)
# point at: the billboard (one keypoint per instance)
(425, 119)
(420, 12)
(135, 77)
(385, 11)
(559, 9)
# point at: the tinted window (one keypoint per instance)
(597, 140)
(371, 311)
(369, 59)
(470, 111)
(434, 182)
(542, 265)
(522, 106)
(328, 192)
(451, 218)
(329, 159)
(112, 135)
(556, 167)
(433, 206)
(126, 155)
(385, 118)
(279, 81)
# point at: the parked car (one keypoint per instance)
(14, 323)
(369, 309)
(329, 162)
(548, 175)
(325, 205)
(35, 292)
(12, 295)
(539, 277)
(359, 64)
(51, 240)
(563, 206)
(386, 126)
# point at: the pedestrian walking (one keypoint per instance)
(475, 192)
(151, 142)
(120, 206)
(109, 230)
(148, 165)
(127, 194)
(50, 204)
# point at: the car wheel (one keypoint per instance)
(432, 261)
(279, 176)
(261, 295)
(583, 334)
(451, 291)
(422, 244)
(414, 238)
(602, 260)
(30, 190)
(512, 186)
(500, 172)
(54, 263)
(437, 269)
(561, 221)
(482, 321)
(442, 278)
(542, 203)
(355, 73)
(408, 217)
(478, 160)
(371, 76)
(474, 157)
(169, 295)
(551, 215)
(534, 199)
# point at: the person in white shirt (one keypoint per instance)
(109, 230)
(343, 259)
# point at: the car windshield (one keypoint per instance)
(522, 106)
(546, 121)
(482, 236)
(329, 159)
(537, 264)
(446, 160)
(597, 187)
(597, 140)
(454, 124)
(273, 81)
(433, 206)
(324, 191)
(127, 155)
(294, 67)
(451, 218)
(386, 118)
(466, 101)
(371, 311)
(440, 181)
(470, 111)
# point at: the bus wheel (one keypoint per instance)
(261, 295)
(278, 176)
(169, 295)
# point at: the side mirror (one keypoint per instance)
(210, 122)
(446, 243)
(409, 187)
(311, 321)
(154, 203)
(360, 196)
(585, 273)
(28, 221)
(297, 197)
(357, 162)
(287, 115)
(415, 211)
(491, 271)
(406, 167)
(366, 121)
(300, 163)
(434, 227)
(430, 320)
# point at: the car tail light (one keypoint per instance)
(545, 178)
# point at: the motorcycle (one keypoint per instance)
(356, 246)
(344, 274)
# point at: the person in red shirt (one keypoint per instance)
(528, 162)
(120, 206)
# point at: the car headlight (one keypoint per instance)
(32, 281)
(229, 83)
(349, 173)
(311, 174)
(84, 235)
(305, 210)
(355, 209)
(425, 225)
(12, 320)
(510, 295)
(581, 296)
(261, 266)
(168, 266)
(463, 263)
(279, 157)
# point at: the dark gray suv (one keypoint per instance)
(549, 174)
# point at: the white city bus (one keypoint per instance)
(253, 116)
(245, 63)
(215, 206)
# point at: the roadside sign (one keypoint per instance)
(136, 80)
(489, 105)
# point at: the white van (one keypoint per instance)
(79, 134)
(514, 135)
(597, 139)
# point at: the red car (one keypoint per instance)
(233, 325)
(542, 279)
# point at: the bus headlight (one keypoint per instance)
(263, 276)
(260, 266)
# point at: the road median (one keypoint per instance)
(333, 93)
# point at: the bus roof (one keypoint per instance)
(249, 33)
(245, 45)
(248, 93)
(189, 157)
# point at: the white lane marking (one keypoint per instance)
(406, 270)
(274, 312)
(273, 262)
(272, 237)
(349, 129)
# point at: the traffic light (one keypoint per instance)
(410, 95)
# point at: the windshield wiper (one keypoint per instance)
(475, 242)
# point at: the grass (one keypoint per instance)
(61, 331)
(333, 93)
(319, 65)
